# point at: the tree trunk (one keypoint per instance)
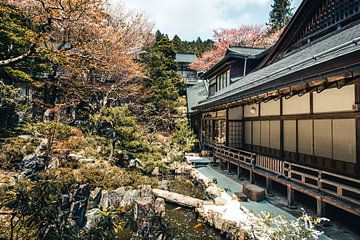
(179, 199)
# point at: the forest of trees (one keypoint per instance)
(104, 87)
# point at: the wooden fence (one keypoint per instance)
(337, 185)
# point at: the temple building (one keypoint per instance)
(183, 60)
(290, 114)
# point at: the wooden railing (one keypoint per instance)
(334, 184)
(340, 186)
(234, 155)
(270, 164)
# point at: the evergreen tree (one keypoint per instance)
(163, 83)
(280, 15)
(178, 44)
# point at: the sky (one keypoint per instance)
(190, 19)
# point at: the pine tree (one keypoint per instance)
(178, 44)
(280, 15)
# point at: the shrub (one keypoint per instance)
(15, 149)
(183, 137)
(112, 177)
(34, 209)
(52, 131)
(120, 127)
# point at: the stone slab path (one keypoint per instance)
(232, 186)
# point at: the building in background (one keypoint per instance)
(183, 60)
(291, 114)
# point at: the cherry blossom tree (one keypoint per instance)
(245, 35)
(94, 45)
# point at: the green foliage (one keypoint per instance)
(34, 209)
(15, 32)
(110, 177)
(52, 131)
(279, 228)
(151, 165)
(183, 137)
(109, 226)
(17, 36)
(280, 15)
(163, 83)
(198, 47)
(120, 126)
(13, 150)
(9, 105)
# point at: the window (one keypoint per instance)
(235, 134)
(223, 80)
(212, 90)
(290, 136)
(256, 133)
(305, 135)
(344, 140)
(265, 134)
(248, 132)
(323, 138)
(275, 135)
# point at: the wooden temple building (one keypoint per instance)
(291, 114)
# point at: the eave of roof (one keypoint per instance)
(185, 57)
(230, 55)
(312, 55)
(247, 52)
(289, 30)
(195, 94)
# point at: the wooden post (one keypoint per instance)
(221, 164)
(268, 185)
(290, 195)
(252, 177)
(320, 207)
(239, 171)
(228, 167)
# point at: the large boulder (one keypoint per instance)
(254, 193)
(164, 185)
(219, 201)
(78, 199)
(159, 206)
(184, 168)
(212, 192)
(33, 164)
(94, 198)
(112, 199)
(238, 196)
(130, 197)
(156, 171)
(92, 218)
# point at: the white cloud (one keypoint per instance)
(192, 18)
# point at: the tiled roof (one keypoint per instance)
(185, 57)
(195, 94)
(245, 51)
(323, 50)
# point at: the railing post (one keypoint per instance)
(320, 207)
(252, 177)
(290, 195)
(239, 171)
(268, 185)
(319, 180)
